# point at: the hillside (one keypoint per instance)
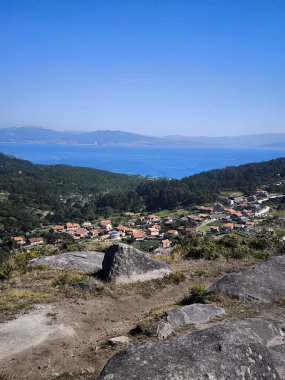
(37, 135)
(206, 187)
(31, 194)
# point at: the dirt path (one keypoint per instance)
(64, 337)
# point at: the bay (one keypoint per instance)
(170, 162)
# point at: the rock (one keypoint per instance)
(119, 340)
(164, 329)
(125, 264)
(239, 350)
(87, 262)
(264, 281)
(196, 314)
(86, 285)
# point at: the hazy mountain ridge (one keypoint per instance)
(107, 137)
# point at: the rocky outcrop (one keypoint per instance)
(262, 282)
(87, 262)
(119, 340)
(124, 264)
(244, 349)
(196, 314)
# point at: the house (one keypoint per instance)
(261, 193)
(137, 235)
(205, 210)
(194, 218)
(80, 233)
(229, 201)
(86, 225)
(228, 226)
(239, 227)
(106, 225)
(214, 229)
(71, 226)
(115, 235)
(167, 221)
(94, 232)
(166, 243)
(19, 240)
(218, 207)
(172, 232)
(151, 218)
(204, 216)
(238, 199)
(122, 228)
(35, 241)
(152, 231)
(57, 229)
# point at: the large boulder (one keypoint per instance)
(243, 349)
(124, 264)
(87, 262)
(264, 281)
(196, 314)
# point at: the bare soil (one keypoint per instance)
(67, 338)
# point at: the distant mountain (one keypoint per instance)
(43, 135)
(258, 140)
(106, 137)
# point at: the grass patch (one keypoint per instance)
(15, 299)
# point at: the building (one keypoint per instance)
(152, 231)
(138, 235)
(19, 240)
(166, 243)
(106, 225)
(34, 241)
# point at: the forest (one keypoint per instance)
(31, 194)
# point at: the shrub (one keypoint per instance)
(197, 294)
(177, 277)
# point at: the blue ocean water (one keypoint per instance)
(153, 161)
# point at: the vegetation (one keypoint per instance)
(232, 246)
(32, 194)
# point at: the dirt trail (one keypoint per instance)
(41, 346)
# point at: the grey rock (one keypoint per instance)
(87, 262)
(238, 350)
(264, 281)
(125, 264)
(196, 314)
(119, 340)
(164, 329)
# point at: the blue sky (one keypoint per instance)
(157, 67)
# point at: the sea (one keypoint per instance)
(169, 162)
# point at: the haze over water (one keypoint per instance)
(152, 161)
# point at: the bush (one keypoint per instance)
(197, 294)
(177, 277)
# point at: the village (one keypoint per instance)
(236, 213)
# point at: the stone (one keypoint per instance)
(196, 314)
(125, 264)
(87, 262)
(119, 340)
(263, 282)
(193, 314)
(243, 349)
(164, 329)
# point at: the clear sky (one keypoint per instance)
(157, 67)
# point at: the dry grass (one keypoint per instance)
(212, 268)
(13, 300)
